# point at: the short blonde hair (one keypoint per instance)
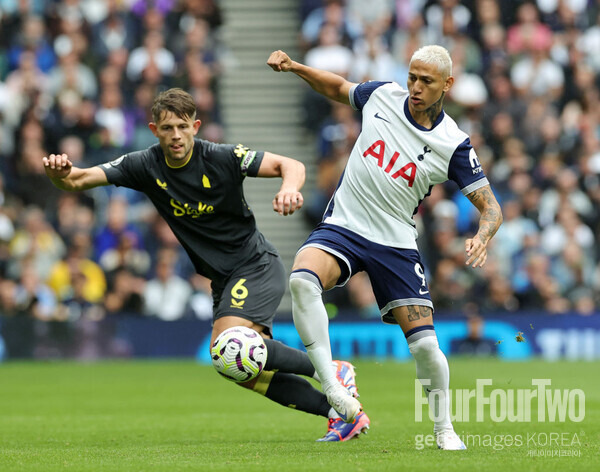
(436, 55)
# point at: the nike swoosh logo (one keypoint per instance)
(423, 292)
(381, 117)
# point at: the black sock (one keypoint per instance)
(294, 392)
(283, 358)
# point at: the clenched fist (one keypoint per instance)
(279, 61)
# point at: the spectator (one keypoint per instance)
(125, 293)
(474, 344)
(201, 301)
(31, 35)
(17, 327)
(117, 224)
(568, 229)
(536, 74)
(372, 59)
(329, 53)
(77, 262)
(127, 255)
(333, 13)
(447, 13)
(566, 190)
(166, 296)
(32, 292)
(113, 33)
(151, 54)
(362, 296)
(36, 242)
(511, 234)
(74, 214)
(528, 33)
(71, 73)
(110, 115)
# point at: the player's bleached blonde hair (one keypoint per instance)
(436, 55)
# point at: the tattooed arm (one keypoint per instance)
(489, 222)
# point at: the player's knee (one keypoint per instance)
(424, 348)
(304, 285)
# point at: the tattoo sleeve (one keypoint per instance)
(491, 214)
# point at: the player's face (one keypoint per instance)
(175, 136)
(425, 86)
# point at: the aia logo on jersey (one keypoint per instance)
(408, 172)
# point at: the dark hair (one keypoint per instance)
(176, 101)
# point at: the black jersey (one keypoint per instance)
(203, 201)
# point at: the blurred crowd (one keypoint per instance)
(527, 92)
(79, 77)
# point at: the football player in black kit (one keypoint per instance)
(196, 186)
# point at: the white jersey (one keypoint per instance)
(394, 164)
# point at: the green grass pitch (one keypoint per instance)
(180, 416)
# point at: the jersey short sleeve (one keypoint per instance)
(465, 169)
(359, 94)
(126, 171)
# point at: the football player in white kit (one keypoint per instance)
(407, 145)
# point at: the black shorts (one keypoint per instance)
(253, 291)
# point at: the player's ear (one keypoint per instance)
(448, 83)
(153, 128)
(197, 124)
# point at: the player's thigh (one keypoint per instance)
(412, 316)
(399, 284)
(250, 297)
(320, 262)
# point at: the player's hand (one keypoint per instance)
(286, 202)
(279, 61)
(57, 166)
(476, 252)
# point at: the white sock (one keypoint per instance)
(432, 367)
(312, 324)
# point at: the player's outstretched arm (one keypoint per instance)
(66, 176)
(326, 83)
(292, 173)
(489, 222)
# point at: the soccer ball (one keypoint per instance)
(239, 354)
